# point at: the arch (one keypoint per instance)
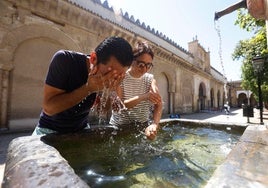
(202, 89)
(171, 79)
(212, 98)
(29, 74)
(246, 92)
(14, 38)
(31, 49)
(201, 96)
(218, 98)
(166, 80)
(242, 99)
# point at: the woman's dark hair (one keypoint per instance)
(142, 48)
(117, 47)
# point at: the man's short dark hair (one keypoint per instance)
(117, 47)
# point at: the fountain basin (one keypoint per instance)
(32, 162)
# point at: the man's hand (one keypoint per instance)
(97, 82)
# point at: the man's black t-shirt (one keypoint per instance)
(68, 71)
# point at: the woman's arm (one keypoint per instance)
(130, 103)
(152, 95)
(151, 130)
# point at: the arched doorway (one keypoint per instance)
(212, 98)
(31, 57)
(201, 96)
(218, 98)
(31, 62)
(242, 99)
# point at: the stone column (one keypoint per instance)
(171, 102)
(5, 88)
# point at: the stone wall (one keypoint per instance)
(31, 31)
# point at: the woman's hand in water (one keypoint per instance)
(151, 131)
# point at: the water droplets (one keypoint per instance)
(102, 101)
(217, 28)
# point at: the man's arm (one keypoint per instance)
(57, 100)
(130, 103)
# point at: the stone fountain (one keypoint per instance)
(33, 163)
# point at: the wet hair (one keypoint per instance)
(142, 48)
(116, 47)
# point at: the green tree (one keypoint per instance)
(249, 48)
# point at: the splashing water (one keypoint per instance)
(117, 104)
(182, 156)
(101, 104)
(217, 28)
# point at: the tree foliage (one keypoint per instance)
(247, 49)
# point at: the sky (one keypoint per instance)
(182, 21)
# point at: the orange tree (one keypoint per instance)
(247, 49)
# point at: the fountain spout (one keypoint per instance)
(241, 4)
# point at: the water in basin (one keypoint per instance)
(181, 156)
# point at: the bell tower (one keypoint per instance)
(201, 56)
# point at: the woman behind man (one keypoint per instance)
(139, 93)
